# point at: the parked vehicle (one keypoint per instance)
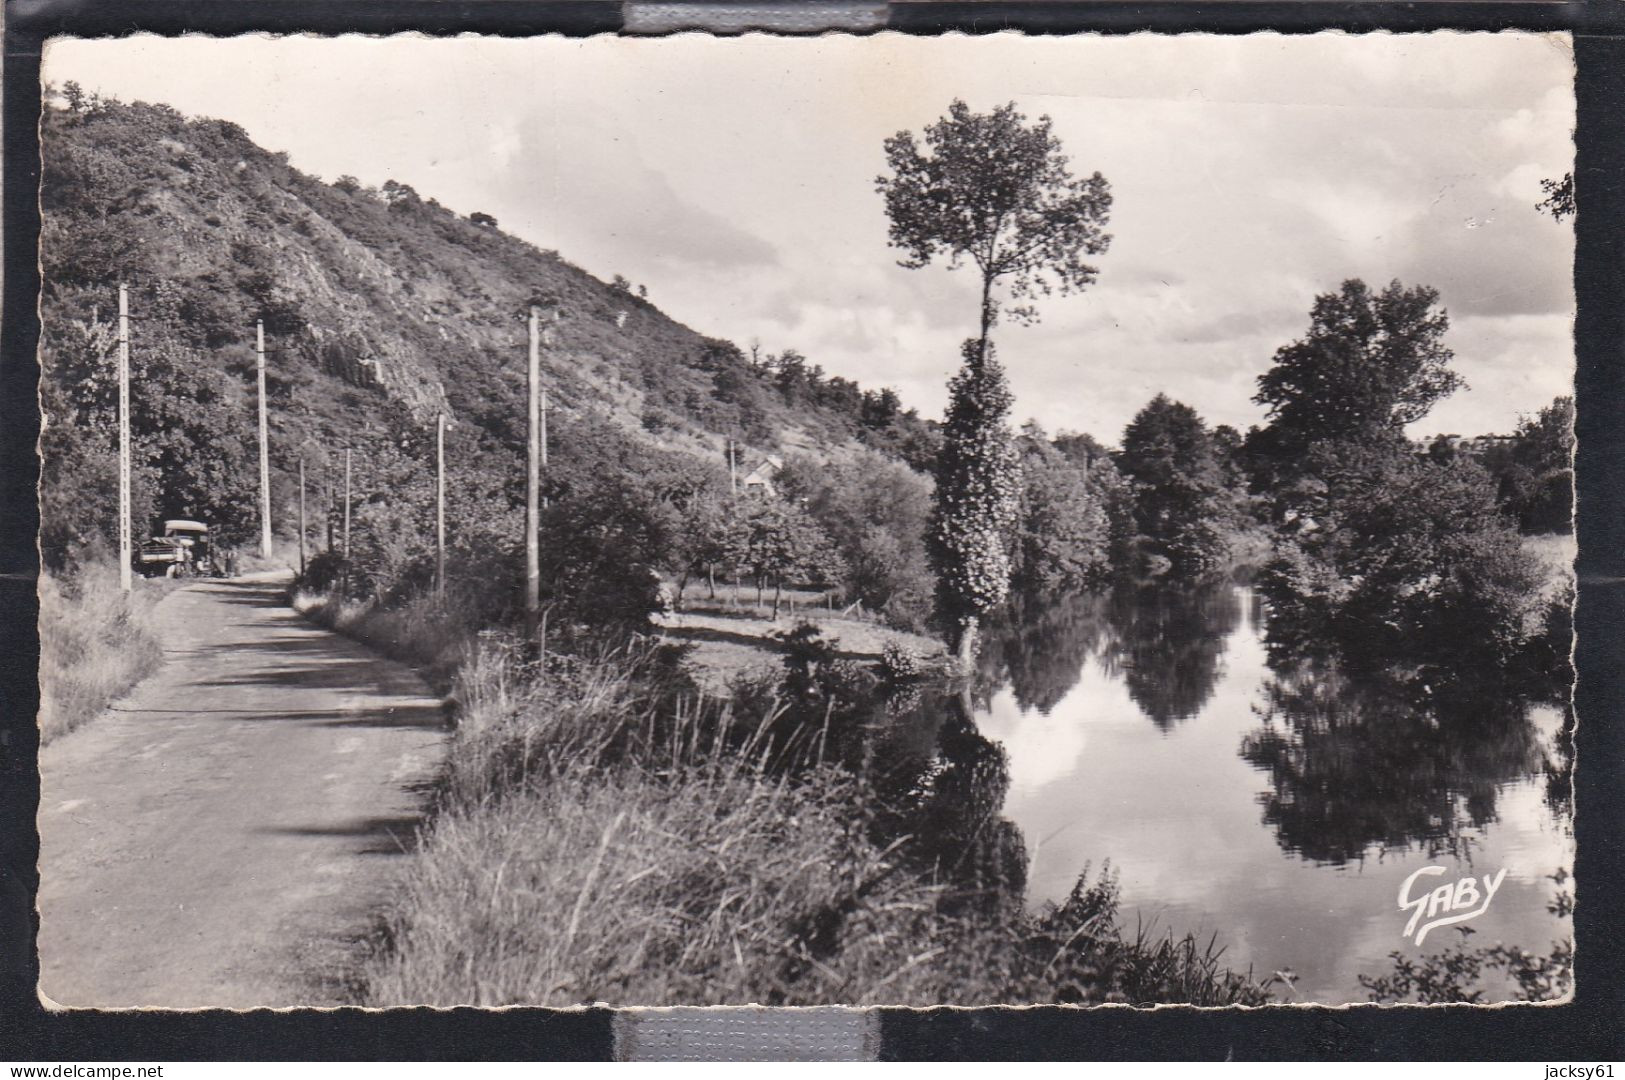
(184, 550)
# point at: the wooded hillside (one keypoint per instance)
(381, 308)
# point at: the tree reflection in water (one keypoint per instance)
(1168, 641)
(942, 783)
(1039, 646)
(1385, 761)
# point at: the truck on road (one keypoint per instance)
(184, 549)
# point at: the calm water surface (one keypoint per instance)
(1280, 807)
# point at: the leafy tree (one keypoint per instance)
(990, 188)
(190, 431)
(1082, 449)
(1538, 485)
(392, 514)
(1229, 448)
(1064, 538)
(978, 499)
(700, 541)
(876, 513)
(401, 196)
(1180, 499)
(881, 408)
(1399, 556)
(1371, 363)
(777, 540)
(1559, 201)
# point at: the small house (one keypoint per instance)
(759, 481)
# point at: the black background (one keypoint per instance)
(1591, 1027)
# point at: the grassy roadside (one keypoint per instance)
(96, 643)
(422, 632)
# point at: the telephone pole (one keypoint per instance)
(346, 504)
(125, 555)
(301, 515)
(265, 453)
(533, 477)
(733, 478)
(440, 506)
(346, 521)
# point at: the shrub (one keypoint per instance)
(898, 663)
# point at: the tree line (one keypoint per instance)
(1388, 547)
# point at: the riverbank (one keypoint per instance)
(601, 834)
(725, 646)
(602, 837)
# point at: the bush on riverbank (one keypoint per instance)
(599, 836)
(1401, 556)
(96, 643)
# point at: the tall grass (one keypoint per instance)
(96, 643)
(599, 837)
(422, 630)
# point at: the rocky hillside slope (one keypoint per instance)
(375, 302)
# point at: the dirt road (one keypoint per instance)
(224, 834)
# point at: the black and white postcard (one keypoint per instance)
(807, 521)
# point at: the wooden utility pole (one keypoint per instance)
(346, 504)
(301, 515)
(346, 520)
(265, 453)
(547, 337)
(733, 478)
(533, 477)
(440, 505)
(126, 557)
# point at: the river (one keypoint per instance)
(1279, 805)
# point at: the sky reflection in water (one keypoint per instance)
(1126, 721)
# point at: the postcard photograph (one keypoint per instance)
(860, 520)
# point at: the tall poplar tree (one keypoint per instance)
(995, 190)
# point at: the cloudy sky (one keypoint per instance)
(735, 179)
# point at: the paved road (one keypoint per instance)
(224, 835)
